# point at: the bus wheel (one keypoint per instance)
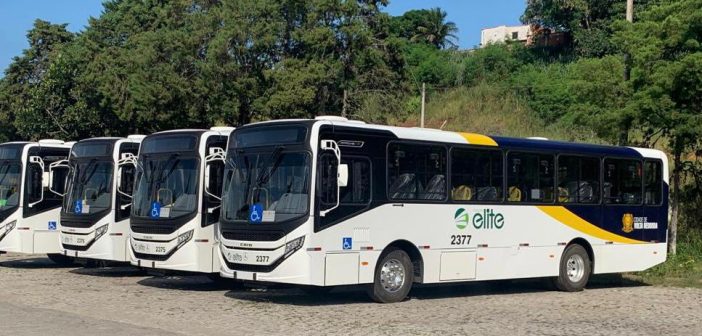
(60, 259)
(393, 278)
(575, 269)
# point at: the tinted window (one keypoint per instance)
(168, 144)
(358, 189)
(269, 136)
(653, 173)
(530, 178)
(90, 149)
(476, 175)
(622, 181)
(416, 172)
(11, 152)
(578, 179)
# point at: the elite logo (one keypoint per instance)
(485, 219)
(461, 218)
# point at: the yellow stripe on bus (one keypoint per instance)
(478, 139)
(574, 221)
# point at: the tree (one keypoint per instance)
(425, 26)
(589, 21)
(666, 50)
(436, 31)
(26, 73)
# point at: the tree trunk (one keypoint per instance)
(244, 113)
(675, 204)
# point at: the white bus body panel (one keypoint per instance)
(111, 246)
(33, 234)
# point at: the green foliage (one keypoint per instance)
(588, 21)
(495, 62)
(426, 64)
(587, 92)
(426, 26)
(25, 74)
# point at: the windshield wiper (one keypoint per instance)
(85, 177)
(275, 159)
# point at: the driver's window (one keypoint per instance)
(327, 190)
(216, 177)
(34, 182)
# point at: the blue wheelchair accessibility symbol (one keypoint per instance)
(155, 210)
(256, 213)
(78, 208)
(52, 225)
(347, 243)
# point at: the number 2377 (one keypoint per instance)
(460, 239)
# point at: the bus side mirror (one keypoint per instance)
(343, 175)
(126, 170)
(38, 182)
(58, 171)
(214, 171)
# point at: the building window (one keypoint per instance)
(515, 35)
(476, 175)
(416, 172)
(622, 181)
(530, 178)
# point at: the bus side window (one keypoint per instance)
(622, 181)
(530, 177)
(358, 189)
(653, 173)
(476, 175)
(578, 179)
(416, 172)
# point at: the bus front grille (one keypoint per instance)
(252, 235)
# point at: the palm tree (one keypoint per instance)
(436, 30)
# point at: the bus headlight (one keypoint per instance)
(293, 245)
(184, 238)
(10, 226)
(101, 231)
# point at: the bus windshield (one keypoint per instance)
(275, 181)
(166, 186)
(89, 187)
(10, 174)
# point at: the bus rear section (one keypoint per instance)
(97, 200)
(331, 202)
(30, 197)
(176, 200)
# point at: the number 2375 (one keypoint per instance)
(460, 239)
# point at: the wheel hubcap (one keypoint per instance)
(392, 275)
(575, 268)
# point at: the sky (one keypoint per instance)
(17, 17)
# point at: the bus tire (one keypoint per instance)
(60, 259)
(393, 278)
(575, 269)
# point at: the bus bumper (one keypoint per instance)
(193, 255)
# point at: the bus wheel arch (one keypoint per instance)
(414, 254)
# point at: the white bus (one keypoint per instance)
(330, 202)
(176, 200)
(97, 200)
(30, 202)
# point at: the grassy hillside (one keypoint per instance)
(490, 109)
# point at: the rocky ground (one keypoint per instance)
(39, 298)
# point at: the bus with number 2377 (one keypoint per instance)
(331, 202)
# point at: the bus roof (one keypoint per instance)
(429, 134)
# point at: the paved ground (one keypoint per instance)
(38, 298)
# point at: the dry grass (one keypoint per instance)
(490, 109)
